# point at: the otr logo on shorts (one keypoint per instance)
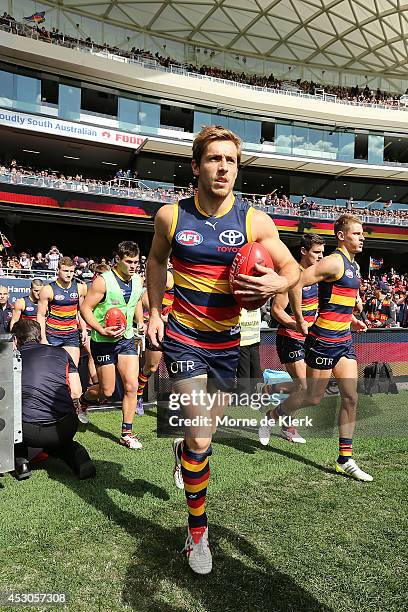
(102, 358)
(295, 354)
(181, 366)
(189, 238)
(324, 360)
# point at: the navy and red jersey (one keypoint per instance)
(63, 309)
(205, 313)
(309, 310)
(168, 297)
(337, 300)
(30, 308)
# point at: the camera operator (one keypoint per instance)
(48, 411)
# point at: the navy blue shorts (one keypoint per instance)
(68, 339)
(107, 353)
(322, 355)
(185, 361)
(289, 349)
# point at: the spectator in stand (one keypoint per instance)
(39, 263)
(25, 261)
(52, 257)
(6, 310)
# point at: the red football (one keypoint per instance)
(115, 318)
(244, 263)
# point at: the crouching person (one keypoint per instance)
(48, 410)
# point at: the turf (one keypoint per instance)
(288, 534)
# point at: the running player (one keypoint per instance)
(58, 316)
(328, 345)
(111, 347)
(26, 307)
(153, 355)
(201, 345)
(289, 342)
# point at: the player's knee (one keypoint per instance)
(130, 387)
(314, 400)
(349, 399)
(107, 390)
(152, 369)
(199, 445)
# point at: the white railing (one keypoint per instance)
(161, 194)
(127, 57)
(28, 274)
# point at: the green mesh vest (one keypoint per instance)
(114, 299)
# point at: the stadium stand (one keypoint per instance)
(359, 94)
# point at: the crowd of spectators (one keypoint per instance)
(124, 184)
(357, 94)
(384, 296)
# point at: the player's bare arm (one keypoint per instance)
(18, 308)
(286, 273)
(279, 304)
(156, 272)
(327, 268)
(46, 295)
(94, 296)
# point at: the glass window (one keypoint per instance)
(300, 140)
(69, 106)
(283, 138)
(346, 146)
(6, 89)
(375, 149)
(237, 126)
(252, 131)
(149, 114)
(28, 94)
(201, 119)
(128, 114)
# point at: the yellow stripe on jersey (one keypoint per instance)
(192, 467)
(196, 488)
(66, 314)
(174, 220)
(334, 325)
(203, 323)
(208, 285)
(248, 223)
(312, 306)
(342, 300)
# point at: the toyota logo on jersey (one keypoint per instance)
(189, 238)
(232, 237)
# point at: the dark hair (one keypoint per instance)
(27, 330)
(309, 240)
(127, 248)
(212, 133)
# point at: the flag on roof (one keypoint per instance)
(37, 18)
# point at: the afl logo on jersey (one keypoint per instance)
(58, 297)
(30, 308)
(232, 237)
(189, 238)
(349, 274)
(308, 288)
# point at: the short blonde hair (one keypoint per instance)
(212, 133)
(343, 223)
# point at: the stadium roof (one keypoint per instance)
(352, 35)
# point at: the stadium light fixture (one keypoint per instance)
(70, 157)
(30, 151)
(109, 163)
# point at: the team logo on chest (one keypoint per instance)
(349, 274)
(232, 237)
(189, 238)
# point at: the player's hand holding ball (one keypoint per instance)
(252, 277)
(115, 323)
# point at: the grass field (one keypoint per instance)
(288, 534)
